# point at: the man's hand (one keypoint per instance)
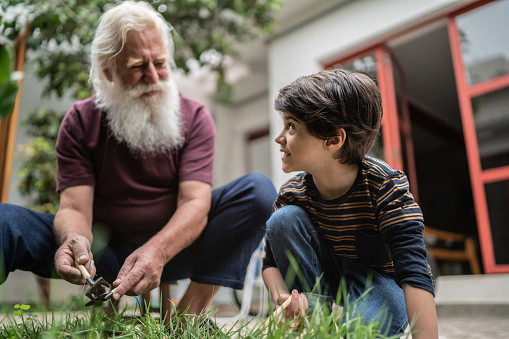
(298, 306)
(141, 272)
(75, 250)
(73, 232)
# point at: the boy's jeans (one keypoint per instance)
(290, 230)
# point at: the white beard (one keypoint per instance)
(148, 125)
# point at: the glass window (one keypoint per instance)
(497, 195)
(491, 116)
(484, 42)
(365, 64)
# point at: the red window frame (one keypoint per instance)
(391, 135)
(478, 177)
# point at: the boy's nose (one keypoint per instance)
(279, 139)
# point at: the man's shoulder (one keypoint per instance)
(85, 114)
(189, 106)
(85, 105)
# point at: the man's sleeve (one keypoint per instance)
(74, 166)
(197, 158)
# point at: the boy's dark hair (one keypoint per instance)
(332, 99)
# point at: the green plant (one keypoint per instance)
(60, 33)
(321, 324)
(37, 173)
(206, 33)
(8, 80)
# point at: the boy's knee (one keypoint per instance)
(286, 218)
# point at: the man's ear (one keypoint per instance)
(336, 142)
(107, 74)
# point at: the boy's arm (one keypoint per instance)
(275, 284)
(279, 293)
(420, 306)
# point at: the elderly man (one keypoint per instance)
(135, 162)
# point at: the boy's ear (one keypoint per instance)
(337, 141)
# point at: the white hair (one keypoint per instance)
(111, 33)
(149, 126)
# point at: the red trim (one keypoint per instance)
(499, 269)
(454, 9)
(495, 174)
(474, 163)
(405, 128)
(473, 6)
(392, 144)
(489, 86)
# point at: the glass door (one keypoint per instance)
(480, 51)
(394, 144)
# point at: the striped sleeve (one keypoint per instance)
(401, 224)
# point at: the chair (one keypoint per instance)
(450, 246)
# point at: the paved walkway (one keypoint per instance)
(469, 327)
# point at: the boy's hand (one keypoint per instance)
(298, 306)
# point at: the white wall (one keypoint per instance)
(304, 49)
(30, 101)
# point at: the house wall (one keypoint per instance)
(337, 32)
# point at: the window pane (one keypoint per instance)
(491, 116)
(497, 195)
(484, 42)
(365, 64)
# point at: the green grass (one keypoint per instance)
(77, 322)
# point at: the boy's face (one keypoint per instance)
(301, 150)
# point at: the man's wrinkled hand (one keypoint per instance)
(75, 250)
(140, 273)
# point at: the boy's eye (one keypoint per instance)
(291, 126)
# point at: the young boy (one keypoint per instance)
(348, 217)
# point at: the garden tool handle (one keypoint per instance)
(85, 274)
(278, 311)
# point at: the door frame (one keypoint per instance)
(478, 177)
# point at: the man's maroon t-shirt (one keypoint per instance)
(134, 196)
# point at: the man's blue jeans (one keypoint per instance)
(291, 233)
(236, 225)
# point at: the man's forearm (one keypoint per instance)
(181, 231)
(69, 222)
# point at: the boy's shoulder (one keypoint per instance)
(375, 167)
(297, 183)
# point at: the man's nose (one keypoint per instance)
(151, 75)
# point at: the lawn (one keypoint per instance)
(76, 321)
